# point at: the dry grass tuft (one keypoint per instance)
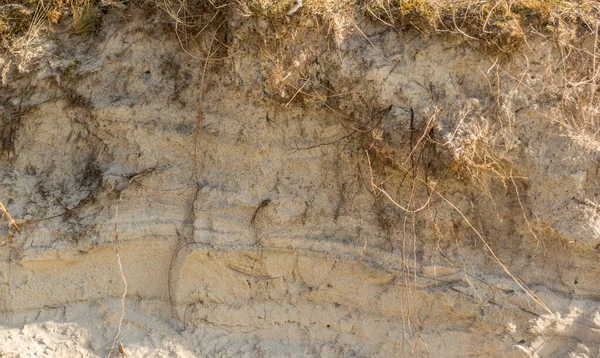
(26, 23)
(499, 26)
(271, 9)
(86, 16)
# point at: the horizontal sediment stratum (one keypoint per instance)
(319, 178)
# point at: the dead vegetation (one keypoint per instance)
(577, 78)
(498, 26)
(473, 149)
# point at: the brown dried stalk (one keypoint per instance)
(10, 219)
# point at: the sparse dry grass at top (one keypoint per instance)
(500, 25)
(497, 25)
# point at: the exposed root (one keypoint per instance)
(120, 266)
(520, 283)
(433, 190)
(180, 246)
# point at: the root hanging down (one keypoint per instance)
(432, 191)
(119, 264)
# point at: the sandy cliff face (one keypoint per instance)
(396, 195)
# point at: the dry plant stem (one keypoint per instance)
(10, 219)
(116, 243)
(298, 91)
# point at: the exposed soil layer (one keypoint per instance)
(274, 190)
